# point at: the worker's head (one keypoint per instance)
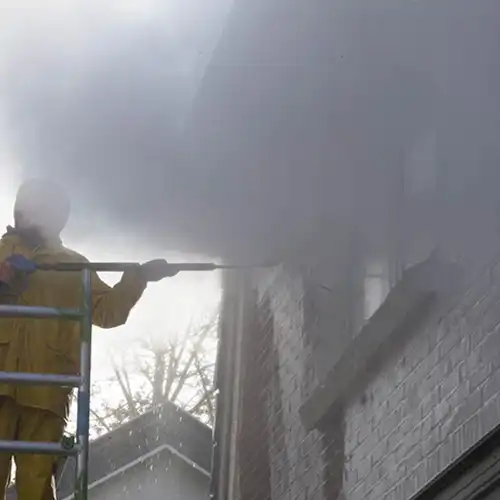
(43, 205)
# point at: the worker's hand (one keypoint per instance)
(7, 273)
(156, 270)
(13, 281)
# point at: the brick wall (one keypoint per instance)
(255, 430)
(303, 450)
(278, 376)
(428, 403)
(431, 402)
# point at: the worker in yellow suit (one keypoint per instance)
(39, 413)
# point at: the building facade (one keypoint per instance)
(164, 453)
(365, 365)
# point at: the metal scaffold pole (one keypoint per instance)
(78, 447)
(83, 411)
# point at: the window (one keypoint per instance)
(419, 210)
(376, 286)
(410, 238)
(375, 278)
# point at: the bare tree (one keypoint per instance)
(180, 370)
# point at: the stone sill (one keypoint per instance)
(378, 338)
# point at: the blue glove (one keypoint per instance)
(14, 273)
(21, 263)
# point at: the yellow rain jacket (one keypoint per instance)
(52, 345)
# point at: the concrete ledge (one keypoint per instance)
(379, 337)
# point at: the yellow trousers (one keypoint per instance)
(34, 473)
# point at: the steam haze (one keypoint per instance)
(107, 98)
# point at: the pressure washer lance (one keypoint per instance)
(124, 266)
(20, 263)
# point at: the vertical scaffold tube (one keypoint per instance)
(83, 415)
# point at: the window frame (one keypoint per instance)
(410, 193)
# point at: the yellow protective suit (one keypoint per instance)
(48, 346)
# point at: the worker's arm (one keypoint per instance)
(112, 305)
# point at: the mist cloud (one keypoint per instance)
(101, 94)
(97, 94)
